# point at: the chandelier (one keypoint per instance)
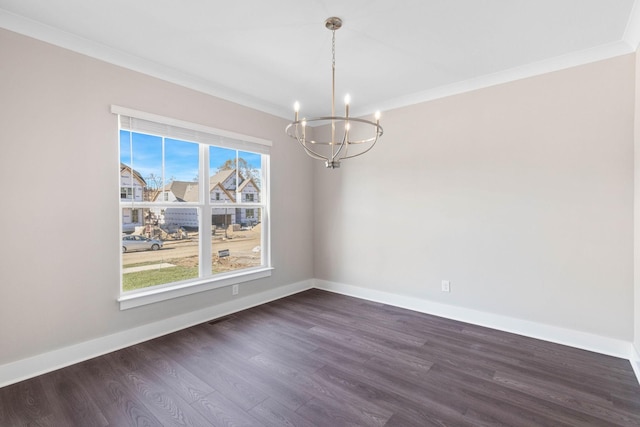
(340, 145)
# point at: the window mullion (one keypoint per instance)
(266, 204)
(205, 213)
(238, 194)
(133, 197)
(162, 166)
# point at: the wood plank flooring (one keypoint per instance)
(321, 359)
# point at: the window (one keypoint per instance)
(194, 238)
(126, 192)
(249, 197)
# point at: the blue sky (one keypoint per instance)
(181, 157)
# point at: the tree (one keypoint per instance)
(153, 187)
(245, 169)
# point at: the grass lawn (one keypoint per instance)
(144, 279)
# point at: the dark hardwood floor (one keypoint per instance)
(321, 359)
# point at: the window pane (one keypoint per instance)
(236, 246)
(147, 160)
(222, 175)
(125, 147)
(181, 161)
(164, 248)
(221, 159)
(251, 169)
(140, 156)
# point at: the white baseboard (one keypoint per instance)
(27, 368)
(578, 339)
(635, 361)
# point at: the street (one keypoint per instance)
(241, 250)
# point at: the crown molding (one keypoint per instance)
(632, 32)
(113, 56)
(57, 37)
(530, 70)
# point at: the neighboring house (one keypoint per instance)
(249, 193)
(223, 188)
(131, 188)
(180, 191)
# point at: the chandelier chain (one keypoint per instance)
(333, 92)
(333, 49)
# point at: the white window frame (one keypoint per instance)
(205, 136)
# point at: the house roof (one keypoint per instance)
(221, 176)
(184, 191)
(229, 194)
(187, 191)
(247, 182)
(135, 173)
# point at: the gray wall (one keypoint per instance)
(59, 275)
(520, 194)
(636, 336)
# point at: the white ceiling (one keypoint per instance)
(390, 53)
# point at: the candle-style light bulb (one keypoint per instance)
(377, 115)
(347, 100)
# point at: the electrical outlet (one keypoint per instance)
(234, 289)
(446, 286)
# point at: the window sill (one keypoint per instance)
(149, 296)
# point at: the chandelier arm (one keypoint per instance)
(339, 118)
(365, 151)
(346, 146)
(303, 144)
(342, 145)
(293, 125)
(309, 151)
(312, 153)
(377, 135)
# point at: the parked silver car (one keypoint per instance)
(139, 243)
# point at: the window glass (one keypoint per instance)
(156, 254)
(237, 236)
(180, 161)
(236, 246)
(170, 233)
